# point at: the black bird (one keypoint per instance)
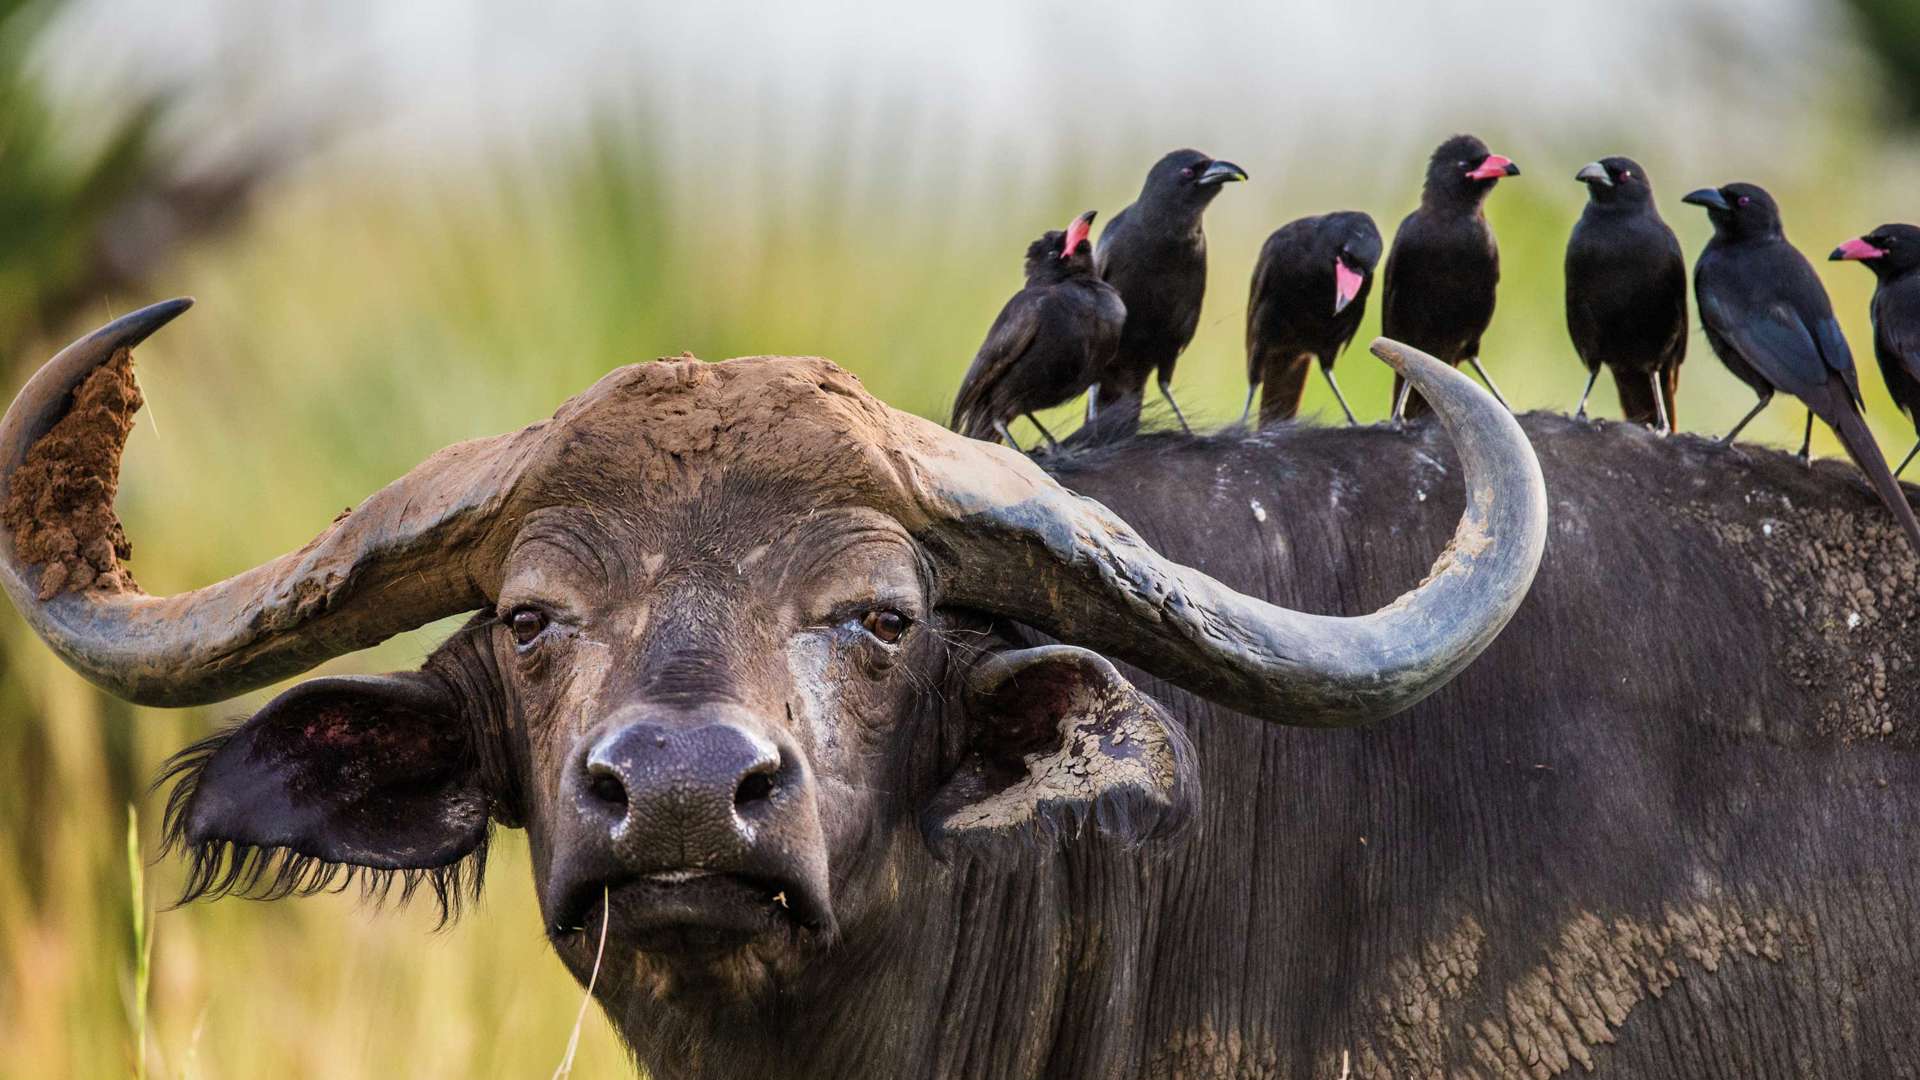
(1155, 253)
(1892, 252)
(1309, 291)
(1627, 293)
(1444, 265)
(1769, 320)
(1048, 342)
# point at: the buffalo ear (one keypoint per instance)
(334, 778)
(1061, 739)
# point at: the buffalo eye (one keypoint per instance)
(526, 624)
(884, 624)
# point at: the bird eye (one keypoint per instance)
(1187, 172)
(1742, 200)
(526, 624)
(1626, 174)
(885, 624)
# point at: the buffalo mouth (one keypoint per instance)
(688, 912)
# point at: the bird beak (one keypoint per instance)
(1346, 285)
(1707, 197)
(1221, 172)
(1856, 248)
(1493, 168)
(1077, 233)
(1594, 173)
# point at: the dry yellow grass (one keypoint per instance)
(367, 320)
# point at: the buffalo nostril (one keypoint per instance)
(605, 785)
(754, 787)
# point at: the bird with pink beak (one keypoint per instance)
(1892, 252)
(1493, 167)
(1048, 342)
(1444, 267)
(1303, 264)
(1077, 233)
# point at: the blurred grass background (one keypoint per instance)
(375, 303)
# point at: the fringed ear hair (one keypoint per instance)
(365, 782)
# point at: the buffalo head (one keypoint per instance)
(745, 642)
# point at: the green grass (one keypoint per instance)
(369, 318)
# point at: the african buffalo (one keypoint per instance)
(815, 695)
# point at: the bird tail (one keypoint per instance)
(1858, 440)
(1637, 402)
(974, 423)
(1283, 384)
(969, 414)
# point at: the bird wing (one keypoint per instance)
(1778, 342)
(1007, 341)
(1392, 296)
(1835, 352)
(1896, 328)
(1896, 342)
(1259, 298)
(1674, 283)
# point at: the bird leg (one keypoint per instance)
(1327, 370)
(1052, 443)
(1806, 444)
(1399, 414)
(1166, 391)
(1475, 361)
(1001, 427)
(1581, 412)
(1659, 402)
(1247, 411)
(1765, 399)
(1908, 460)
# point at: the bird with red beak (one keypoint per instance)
(1077, 232)
(1049, 342)
(1892, 252)
(1444, 266)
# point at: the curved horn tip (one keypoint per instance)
(1399, 355)
(135, 327)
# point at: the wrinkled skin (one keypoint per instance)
(1561, 861)
(1659, 828)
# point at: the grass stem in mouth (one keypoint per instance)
(573, 1041)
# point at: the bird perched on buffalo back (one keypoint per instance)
(1627, 292)
(1769, 320)
(1892, 252)
(1309, 291)
(1048, 341)
(1444, 265)
(1155, 254)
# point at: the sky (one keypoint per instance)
(1033, 79)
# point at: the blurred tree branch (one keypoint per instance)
(83, 223)
(1890, 30)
